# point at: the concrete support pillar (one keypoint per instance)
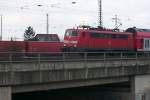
(140, 87)
(5, 93)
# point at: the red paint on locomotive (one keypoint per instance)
(98, 40)
(45, 43)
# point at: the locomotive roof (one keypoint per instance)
(39, 35)
(100, 31)
(45, 37)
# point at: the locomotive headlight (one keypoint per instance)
(65, 45)
(75, 45)
(74, 42)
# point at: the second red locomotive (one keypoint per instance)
(41, 43)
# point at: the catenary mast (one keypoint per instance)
(100, 22)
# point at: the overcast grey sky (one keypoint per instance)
(19, 14)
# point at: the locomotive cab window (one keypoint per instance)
(67, 33)
(74, 33)
(71, 33)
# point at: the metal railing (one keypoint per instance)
(63, 66)
(6, 57)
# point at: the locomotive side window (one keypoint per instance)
(54, 39)
(94, 35)
(106, 35)
(41, 39)
(122, 36)
(113, 36)
(46, 37)
(97, 35)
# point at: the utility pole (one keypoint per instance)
(1, 27)
(117, 21)
(100, 14)
(47, 24)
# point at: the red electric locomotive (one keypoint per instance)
(92, 39)
(44, 43)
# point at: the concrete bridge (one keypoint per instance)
(26, 74)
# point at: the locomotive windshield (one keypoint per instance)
(71, 33)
